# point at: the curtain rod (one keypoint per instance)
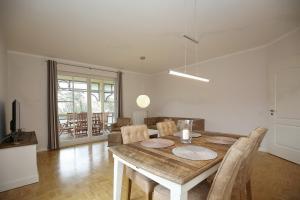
(91, 68)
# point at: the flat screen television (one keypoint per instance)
(15, 122)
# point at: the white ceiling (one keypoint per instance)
(116, 33)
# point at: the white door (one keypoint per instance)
(285, 114)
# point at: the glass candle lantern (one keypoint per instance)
(185, 128)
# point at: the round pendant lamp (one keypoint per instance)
(143, 101)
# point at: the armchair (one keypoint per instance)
(124, 121)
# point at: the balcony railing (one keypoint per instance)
(76, 124)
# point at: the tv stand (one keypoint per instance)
(18, 161)
(19, 139)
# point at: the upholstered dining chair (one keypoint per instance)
(242, 188)
(224, 180)
(130, 134)
(166, 128)
(255, 137)
(239, 191)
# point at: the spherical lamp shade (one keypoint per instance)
(143, 101)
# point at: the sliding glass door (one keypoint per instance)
(86, 107)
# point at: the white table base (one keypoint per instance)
(118, 176)
(178, 191)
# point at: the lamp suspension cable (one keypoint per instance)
(185, 55)
(185, 30)
(195, 34)
(195, 41)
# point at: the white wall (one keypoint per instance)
(2, 81)
(234, 101)
(283, 53)
(134, 84)
(27, 82)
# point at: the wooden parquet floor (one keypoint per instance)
(86, 172)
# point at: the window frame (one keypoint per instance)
(89, 80)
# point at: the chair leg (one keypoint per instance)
(248, 188)
(129, 189)
(149, 196)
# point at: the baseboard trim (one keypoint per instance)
(263, 149)
(83, 141)
(19, 183)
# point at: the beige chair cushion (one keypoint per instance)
(256, 138)
(239, 188)
(146, 184)
(250, 145)
(224, 180)
(166, 128)
(257, 135)
(134, 133)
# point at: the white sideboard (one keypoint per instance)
(18, 164)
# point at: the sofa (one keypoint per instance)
(115, 137)
(198, 123)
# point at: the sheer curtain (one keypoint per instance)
(53, 140)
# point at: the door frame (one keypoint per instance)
(90, 137)
(274, 148)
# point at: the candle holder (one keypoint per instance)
(185, 127)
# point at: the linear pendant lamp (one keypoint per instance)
(196, 42)
(172, 72)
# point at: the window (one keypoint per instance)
(86, 106)
(109, 100)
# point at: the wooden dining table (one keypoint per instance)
(177, 174)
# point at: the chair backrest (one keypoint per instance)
(70, 117)
(257, 136)
(134, 133)
(254, 140)
(239, 188)
(81, 116)
(225, 178)
(166, 128)
(96, 116)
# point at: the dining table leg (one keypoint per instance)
(178, 194)
(118, 175)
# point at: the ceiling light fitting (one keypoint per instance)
(185, 75)
(191, 39)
